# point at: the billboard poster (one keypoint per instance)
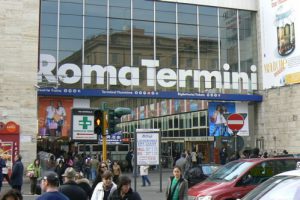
(54, 116)
(280, 47)
(83, 124)
(218, 111)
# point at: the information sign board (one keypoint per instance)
(148, 146)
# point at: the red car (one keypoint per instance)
(235, 179)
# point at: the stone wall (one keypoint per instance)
(19, 27)
(278, 119)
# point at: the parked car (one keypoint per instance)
(235, 179)
(282, 186)
(200, 173)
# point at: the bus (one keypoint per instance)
(116, 152)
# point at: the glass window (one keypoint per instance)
(143, 10)
(95, 40)
(119, 9)
(170, 123)
(166, 38)
(284, 165)
(203, 118)
(229, 38)
(187, 44)
(195, 119)
(176, 121)
(248, 41)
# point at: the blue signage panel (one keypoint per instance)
(146, 94)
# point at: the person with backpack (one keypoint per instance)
(177, 188)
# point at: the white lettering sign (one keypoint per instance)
(129, 76)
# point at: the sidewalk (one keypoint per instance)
(147, 193)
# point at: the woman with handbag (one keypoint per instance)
(177, 188)
(34, 172)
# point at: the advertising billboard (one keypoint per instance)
(54, 116)
(280, 47)
(218, 113)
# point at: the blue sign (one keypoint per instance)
(146, 94)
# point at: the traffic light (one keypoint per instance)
(114, 118)
(98, 122)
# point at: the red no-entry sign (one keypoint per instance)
(235, 122)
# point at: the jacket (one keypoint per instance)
(16, 178)
(144, 170)
(36, 170)
(72, 190)
(183, 188)
(131, 195)
(98, 193)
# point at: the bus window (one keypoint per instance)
(84, 148)
(111, 147)
(97, 147)
(123, 148)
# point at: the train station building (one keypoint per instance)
(181, 66)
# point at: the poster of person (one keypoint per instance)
(152, 110)
(219, 111)
(6, 152)
(54, 116)
(163, 108)
(142, 112)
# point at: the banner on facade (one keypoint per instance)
(217, 112)
(54, 116)
(280, 47)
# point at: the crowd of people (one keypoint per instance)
(88, 178)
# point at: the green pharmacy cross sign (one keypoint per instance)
(82, 128)
(85, 122)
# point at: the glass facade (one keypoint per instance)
(185, 38)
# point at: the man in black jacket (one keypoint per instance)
(124, 191)
(16, 178)
(70, 188)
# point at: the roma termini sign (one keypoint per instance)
(155, 75)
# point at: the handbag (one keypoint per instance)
(30, 173)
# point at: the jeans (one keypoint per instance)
(146, 179)
(94, 174)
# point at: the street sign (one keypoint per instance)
(235, 122)
(83, 124)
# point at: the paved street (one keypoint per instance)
(147, 193)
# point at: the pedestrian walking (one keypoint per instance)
(144, 170)
(60, 169)
(101, 169)
(129, 157)
(116, 170)
(84, 183)
(49, 186)
(16, 178)
(70, 188)
(12, 194)
(2, 165)
(124, 190)
(94, 166)
(182, 162)
(34, 172)
(177, 186)
(5, 174)
(104, 188)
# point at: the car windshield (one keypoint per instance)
(230, 171)
(277, 187)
